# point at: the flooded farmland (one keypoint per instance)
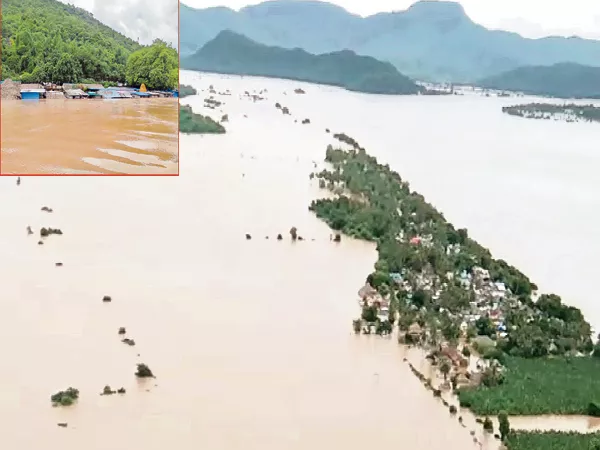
(124, 136)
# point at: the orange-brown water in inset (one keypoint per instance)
(131, 136)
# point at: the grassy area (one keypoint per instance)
(540, 386)
(192, 123)
(553, 441)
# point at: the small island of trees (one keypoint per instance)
(192, 123)
(567, 112)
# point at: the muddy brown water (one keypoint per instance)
(124, 136)
(251, 341)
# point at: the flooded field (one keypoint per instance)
(126, 136)
(250, 340)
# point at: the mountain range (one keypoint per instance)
(233, 53)
(431, 40)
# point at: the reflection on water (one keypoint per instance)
(137, 136)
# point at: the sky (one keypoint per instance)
(143, 19)
(531, 18)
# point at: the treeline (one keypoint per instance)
(46, 40)
(571, 111)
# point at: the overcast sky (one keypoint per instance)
(143, 19)
(531, 18)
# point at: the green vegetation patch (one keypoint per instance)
(186, 91)
(46, 40)
(65, 398)
(540, 386)
(156, 66)
(573, 112)
(192, 123)
(534, 440)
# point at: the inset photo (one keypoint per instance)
(89, 87)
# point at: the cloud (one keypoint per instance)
(146, 20)
(140, 18)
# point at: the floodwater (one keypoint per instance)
(250, 340)
(124, 136)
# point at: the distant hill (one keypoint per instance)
(233, 53)
(44, 39)
(559, 80)
(431, 40)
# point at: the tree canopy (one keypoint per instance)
(156, 66)
(46, 40)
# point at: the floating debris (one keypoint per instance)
(63, 424)
(45, 208)
(121, 390)
(48, 231)
(40, 242)
(128, 341)
(337, 237)
(58, 264)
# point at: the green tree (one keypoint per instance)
(155, 66)
(503, 425)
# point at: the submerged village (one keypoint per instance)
(12, 90)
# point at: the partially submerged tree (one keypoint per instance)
(65, 398)
(143, 371)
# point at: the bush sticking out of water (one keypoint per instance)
(294, 233)
(107, 298)
(122, 330)
(357, 325)
(453, 409)
(279, 237)
(488, 425)
(143, 371)
(107, 390)
(337, 237)
(65, 398)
